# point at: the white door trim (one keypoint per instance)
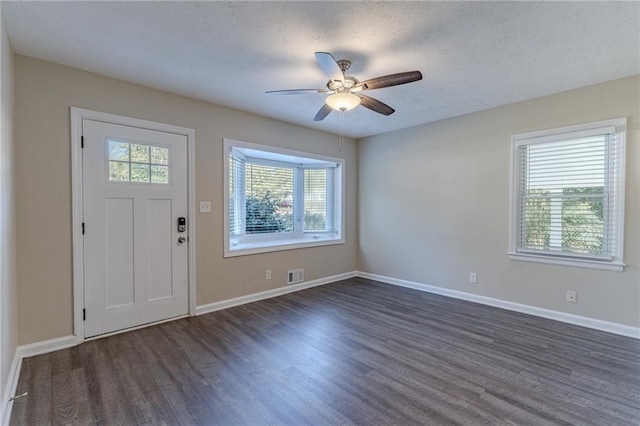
(77, 115)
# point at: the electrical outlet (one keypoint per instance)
(473, 277)
(572, 297)
(267, 275)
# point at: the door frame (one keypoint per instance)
(77, 115)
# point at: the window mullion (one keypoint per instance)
(522, 188)
(298, 200)
(330, 202)
(609, 189)
(241, 198)
(239, 195)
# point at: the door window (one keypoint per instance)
(135, 162)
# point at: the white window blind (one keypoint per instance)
(318, 194)
(269, 198)
(570, 194)
(236, 181)
(277, 199)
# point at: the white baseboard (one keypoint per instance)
(236, 301)
(46, 346)
(610, 327)
(26, 351)
(10, 390)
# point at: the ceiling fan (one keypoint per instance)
(345, 91)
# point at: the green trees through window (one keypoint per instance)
(269, 199)
(571, 221)
(264, 214)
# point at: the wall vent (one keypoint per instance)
(295, 276)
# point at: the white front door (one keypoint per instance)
(135, 257)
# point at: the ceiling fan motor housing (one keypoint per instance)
(337, 85)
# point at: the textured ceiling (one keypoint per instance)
(473, 55)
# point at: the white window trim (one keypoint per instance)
(616, 264)
(289, 241)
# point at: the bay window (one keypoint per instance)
(279, 199)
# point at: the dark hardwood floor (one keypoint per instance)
(353, 352)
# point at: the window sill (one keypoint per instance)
(255, 247)
(567, 261)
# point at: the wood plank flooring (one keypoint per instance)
(353, 352)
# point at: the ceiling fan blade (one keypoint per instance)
(324, 111)
(376, 105)
(296, 91)
(329, 66)
(390, 80)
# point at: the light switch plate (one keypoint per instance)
(205, 206)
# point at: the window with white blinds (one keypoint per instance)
(568, 195)
(279, 199)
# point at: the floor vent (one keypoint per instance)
(295, 276)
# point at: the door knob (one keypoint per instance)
(181, 240)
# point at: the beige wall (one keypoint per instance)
(44, 93)
(434, 198)
(434, 203)
(8, 284)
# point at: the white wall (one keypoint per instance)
(8, 289)
(44, 93)
(434, 204)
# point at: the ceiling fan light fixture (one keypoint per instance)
(343, 101)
